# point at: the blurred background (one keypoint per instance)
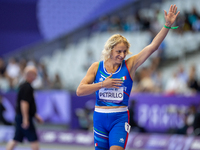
(63, 38)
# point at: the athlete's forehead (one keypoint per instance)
(120, 46)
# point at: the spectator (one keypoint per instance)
(192, 80)
(115, 23)
(4, 82)
(25, 112)
(158, 80)
(130, 23)
(146, 83)
(193, 16)
(2, 67)
(13, 72)
(56, 83)
(182, 74)
(133, 123)
(196, 123)
(85, 116)
(45, 77)
(89, 60)
(136, 81)
(186, 26)
(175, 85)
(22, 65)
(187, 128)
(103, 24)
(196, 25)
(190, 117)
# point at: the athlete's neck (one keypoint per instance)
(110, 66)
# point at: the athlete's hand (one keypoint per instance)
(171, 16)
(112, 83)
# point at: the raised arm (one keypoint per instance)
(135, 61)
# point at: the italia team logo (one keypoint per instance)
(123, 78)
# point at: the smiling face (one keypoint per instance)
(111, 43)
(119, 53)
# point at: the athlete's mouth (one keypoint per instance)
(120, 59)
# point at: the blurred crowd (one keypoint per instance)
(142, 21)
(147, 79)
(150, 80)
(11, 75)
(190, 117)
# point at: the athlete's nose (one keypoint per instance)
(122, 55)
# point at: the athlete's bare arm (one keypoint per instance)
(135, 61)
(86, 87)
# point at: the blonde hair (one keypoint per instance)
(111, 43)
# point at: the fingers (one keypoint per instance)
(110, 76)
(177, 13)
(116, 87)
(118, 80)
(113, 83)
(175, 9)
(170, 9)
(117, 83)
(165, 12)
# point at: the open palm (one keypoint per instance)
(171, 16)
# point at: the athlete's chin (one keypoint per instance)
(119, 61)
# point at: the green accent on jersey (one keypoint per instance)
(98, 66)
(100, 131)
(103, 74)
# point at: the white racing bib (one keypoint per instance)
(112, 95)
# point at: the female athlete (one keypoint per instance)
(111, 79)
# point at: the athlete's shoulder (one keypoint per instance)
(95, 65)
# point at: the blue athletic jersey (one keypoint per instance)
(113, 96)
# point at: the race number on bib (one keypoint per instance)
(111, 94)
